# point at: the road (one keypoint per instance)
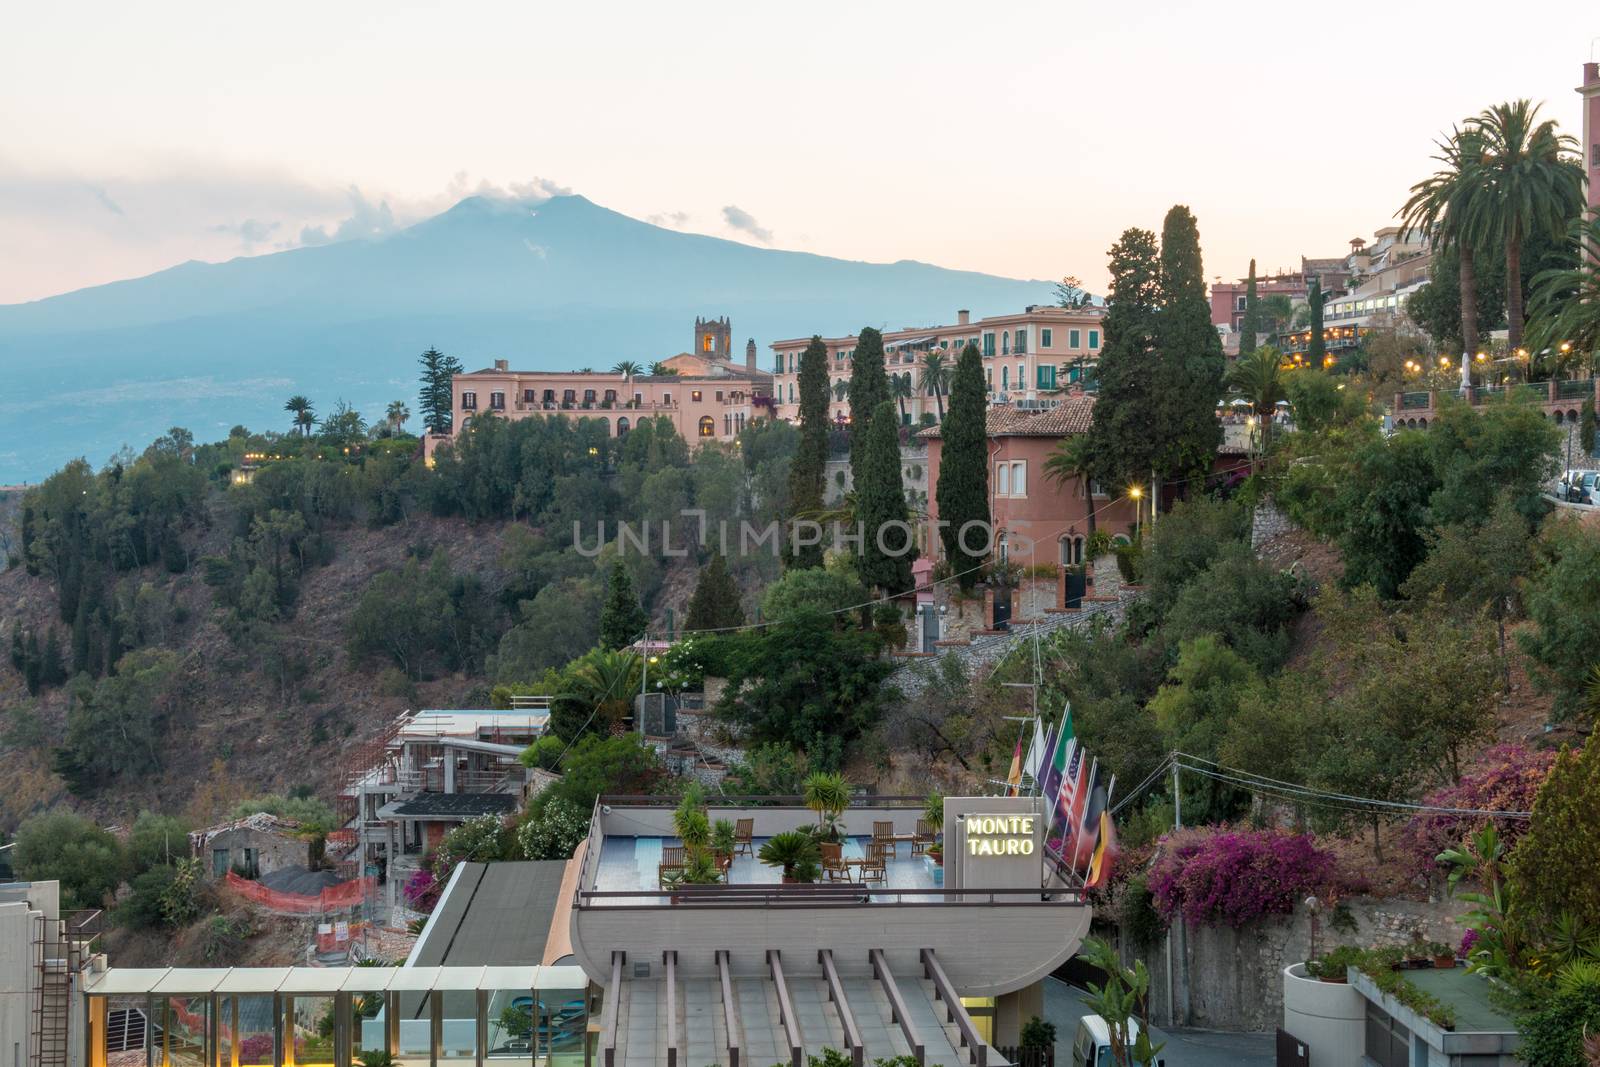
(1063, 1006)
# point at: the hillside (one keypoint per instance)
(554, 284)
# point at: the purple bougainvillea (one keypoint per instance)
(1224, 877)
(422, 890)
(1506, 778)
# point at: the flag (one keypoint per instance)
(1066, 792)
(1035, 761)
(1088, 831)
(1072, 810)
(1014, 778)
(1105, 854)
(1066, 744)
(1046, 759)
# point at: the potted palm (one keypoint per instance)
(828, 795)
(795, 852)
(724, 840)
(1334, 965)
(701, 868)
(933, 815)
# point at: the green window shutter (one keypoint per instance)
(1074, 338)
(1094, 338)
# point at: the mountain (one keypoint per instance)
(552, 284)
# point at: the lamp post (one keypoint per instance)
(1135, 492)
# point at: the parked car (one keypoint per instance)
(1578, 487)
(1091, 1046)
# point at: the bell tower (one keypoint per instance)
(713, 338)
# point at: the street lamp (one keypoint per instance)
(1136, 492)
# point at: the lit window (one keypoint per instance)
(708, 427)
(705, 344)
(695, 395)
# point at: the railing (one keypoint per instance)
(954, 1008)
(897, 1005)
(741, 801)
(1044, 1056)
(847, 1017)
(433, 780)
(786, 1015)
(1575, 389)
(1413, 401)
(822, 895)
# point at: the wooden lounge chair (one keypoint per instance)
(875, 868)
(744, 837)
(833, 864)
(884, 832)
(671, 860)
(922, 838)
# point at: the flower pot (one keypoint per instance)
(1334, 979)
(1444, 963)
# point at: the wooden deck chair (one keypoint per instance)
(875, 868)
(922, 838)
(671, 860)
(744, 837)
(833, 864)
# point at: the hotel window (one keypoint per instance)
(1022, 341)
(695, 396)
(1022, 376)
(527, 396)
(638, 399)
(1002, 479)
(622, 426)
(1005, 342)
(1045, 337)
(1047, 376)
(1005, 378)
(1074, 338)
(1019, 477)
(497, 401)
(1094, 338)
(988, 344)
(588, 396)
(469, 401)
(666, 398)
(708, 427)
(719, 395)
(727, 425)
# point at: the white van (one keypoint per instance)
(1091, 1047)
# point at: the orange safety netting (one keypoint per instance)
(334, 898)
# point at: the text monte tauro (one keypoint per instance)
(999, 835)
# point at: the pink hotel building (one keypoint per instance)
(710, 398)
(1039, 351)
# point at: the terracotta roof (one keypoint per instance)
(1072, 415)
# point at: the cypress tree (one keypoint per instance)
(53, 670)
(715, 604)
(1121, 442)
(1317, 349)
(80, 640)
(32, 664)
(1250, 325)
(622, 620)
(808, 469)
(869, 388)
(881, 500)
(1552, 866)
(1189, 363)
(963, 489)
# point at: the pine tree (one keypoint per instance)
(1317, 348)
(715, 604)
(53, 669)
(1250, 325)
(869, 388)
(1552, 868)
(886, 554)
(808, 469)
(1121, 441)
(622, 620)
(963, 490)
(1189, 364)
(436, 399)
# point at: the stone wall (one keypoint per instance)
(1267, 522)
(1234, 978)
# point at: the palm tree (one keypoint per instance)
(397, 414)
(1072, 460)
(827, 794)
(300, 408)
(1566, 303)
(628, 369)
(1531, 185)
(841, 389)
(1446, 207)
(658, 369)
(936, 375)
(606, 681)
(900, 389)
(1258, 378)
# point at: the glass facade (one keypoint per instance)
(471, 1016)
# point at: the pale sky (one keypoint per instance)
(1016, 138)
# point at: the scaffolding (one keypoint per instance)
(61, 948)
